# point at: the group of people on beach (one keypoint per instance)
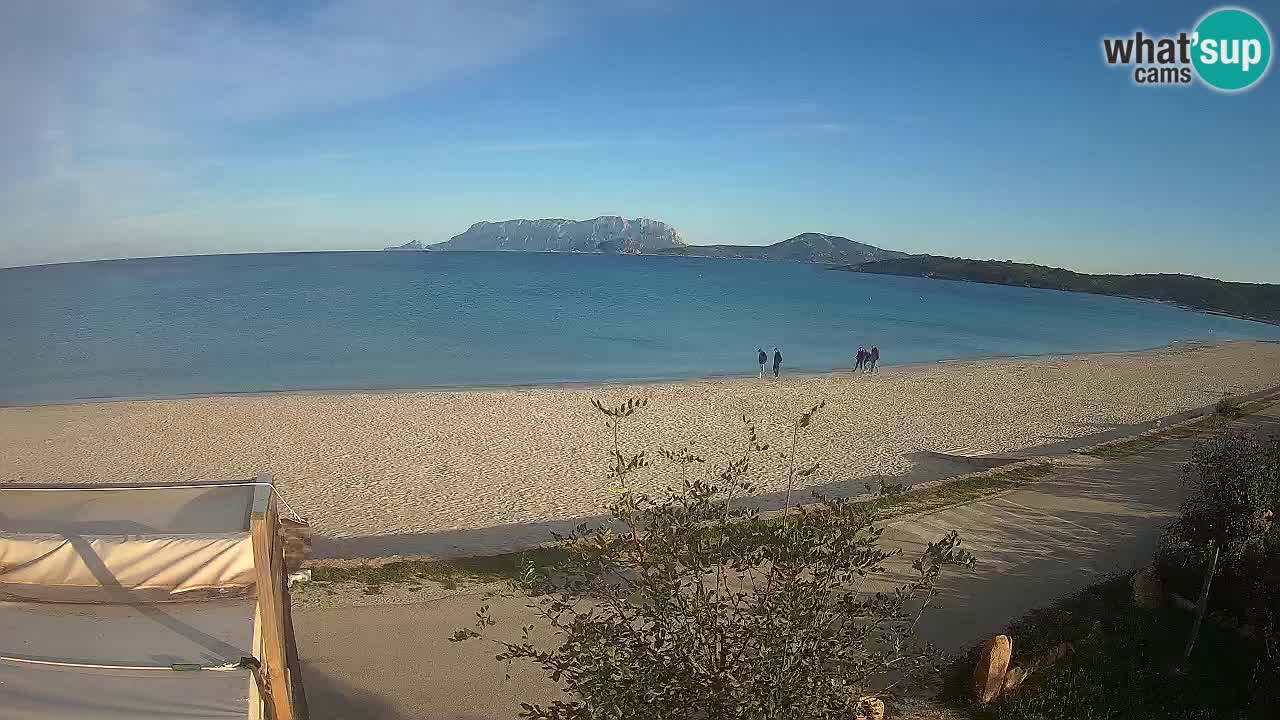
(764, 360)
(866, 360)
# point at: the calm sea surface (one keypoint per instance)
(175, 326)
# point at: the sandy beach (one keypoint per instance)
(399, 463)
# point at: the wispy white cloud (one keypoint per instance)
(108, 106)
(231, 66)
(86, 76)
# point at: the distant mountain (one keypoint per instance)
(411, 245)
(607, 234)
(806, 247)
(1245, 300)
(610, 234)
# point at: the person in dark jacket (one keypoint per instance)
(860, 359)
(874, 357)
(777, 361)
(763, 360)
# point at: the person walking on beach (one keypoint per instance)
(777, 361)
(874, 357)
(860, 359)
(763, 359)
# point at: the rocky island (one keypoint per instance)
(605, 234)
(611, 234)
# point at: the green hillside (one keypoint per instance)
(806, 247)
(1246, 300)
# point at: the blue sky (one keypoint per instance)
(988, 130)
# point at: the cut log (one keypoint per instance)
(993, 664)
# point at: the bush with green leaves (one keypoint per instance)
(1229, 406)
(694, 605)
(1235, 481)
(1226, 533)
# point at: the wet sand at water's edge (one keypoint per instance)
(397, 463)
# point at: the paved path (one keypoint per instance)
(1034, 545)
(1047, 540)
(394, 662)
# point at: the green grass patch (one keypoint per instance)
(450, 573)
(1228, 409)
(1125, 664)
(1129, 448)
(955, 492)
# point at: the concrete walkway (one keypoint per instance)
(1033, 545)
(1044, 541)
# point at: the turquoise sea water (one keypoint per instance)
(240, 323)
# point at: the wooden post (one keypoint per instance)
(269, 567)
(1201, 605)
(300, 710)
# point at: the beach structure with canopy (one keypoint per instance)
(146, 601)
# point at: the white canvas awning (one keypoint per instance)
(82, 568)
(144, 635)
(140, 602)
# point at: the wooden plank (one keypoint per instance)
(258, 709)
(298, 691)
(300, 710)
(269, 568)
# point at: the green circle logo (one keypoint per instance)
(1231, 49)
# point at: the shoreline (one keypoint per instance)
(448, 472)
(606, 384)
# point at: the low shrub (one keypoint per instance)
(1224, 549)
(689, 606)
(1230, 406)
